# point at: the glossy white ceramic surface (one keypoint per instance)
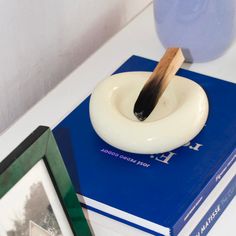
(179, 116)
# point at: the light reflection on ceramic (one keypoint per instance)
(179, 116)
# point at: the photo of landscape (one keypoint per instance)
(35, 216)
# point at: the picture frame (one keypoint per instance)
(36, 193)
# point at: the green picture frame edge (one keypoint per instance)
(41, 145)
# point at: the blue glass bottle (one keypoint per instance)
(204, 28)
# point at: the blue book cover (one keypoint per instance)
(157, 193)
(216, 210)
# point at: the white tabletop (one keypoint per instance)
(138, 38)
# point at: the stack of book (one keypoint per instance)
(182, 192)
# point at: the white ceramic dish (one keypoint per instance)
(179, 116)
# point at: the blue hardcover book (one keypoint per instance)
(155, 193)
(216, 210)
(202, 221)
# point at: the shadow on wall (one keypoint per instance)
(42, 42)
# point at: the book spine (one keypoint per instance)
(204, 193)
(205, 224)
(216, 210)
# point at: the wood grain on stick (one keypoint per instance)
(158, 82)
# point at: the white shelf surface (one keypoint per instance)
(139, 38)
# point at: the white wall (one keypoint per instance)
(42, 41)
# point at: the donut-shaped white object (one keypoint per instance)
(178, 117)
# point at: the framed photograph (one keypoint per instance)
(36, 193)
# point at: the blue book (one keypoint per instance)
(155, 193)
(202, 221)
(216, 210)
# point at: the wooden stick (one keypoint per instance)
(158, 82)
